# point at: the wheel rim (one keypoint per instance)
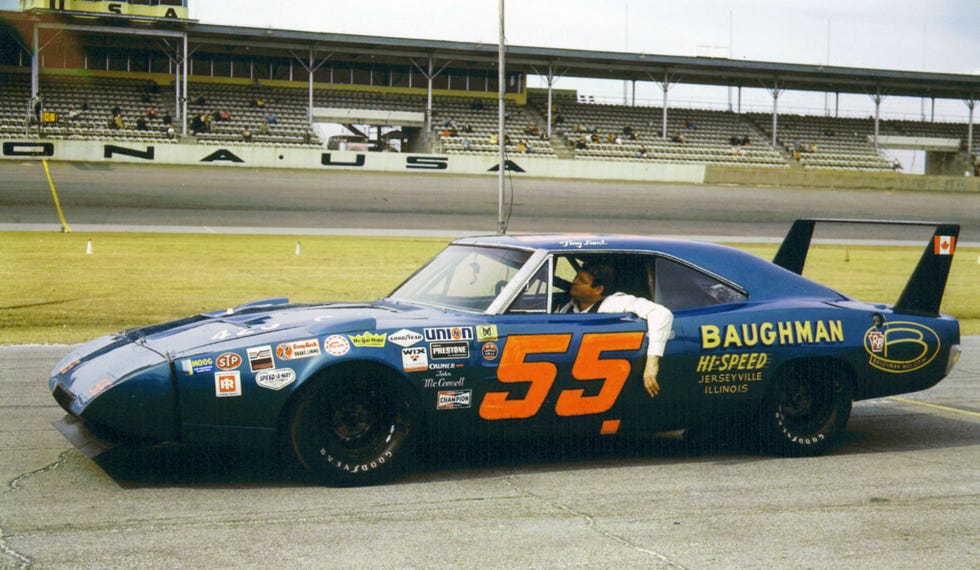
(805, 405)
(359, 424)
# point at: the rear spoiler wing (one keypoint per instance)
(924, 291)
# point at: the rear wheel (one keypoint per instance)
(355, 430)
(806, 410)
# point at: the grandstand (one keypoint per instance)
(234, 84)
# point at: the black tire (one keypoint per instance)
(358, 429)
(806, 410)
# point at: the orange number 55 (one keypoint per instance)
(589, 366)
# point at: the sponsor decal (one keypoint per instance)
(445, 380)
(730, 373)
(444, 350)
(944, 245)
(260, 358)
(445, 365)
(454, 399)
(228, 361)
(448, 333)
(489, 351)
(771, 334)
(901, 346)
(192, 366)
(485, 333)
(369, 340)
(227, 384)
(405, 338)
(298, 349)
(275, 379)
(415, 359)
(336, 345)
(875, 341)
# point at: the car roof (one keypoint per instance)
(760, 278)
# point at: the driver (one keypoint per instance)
(588, 295)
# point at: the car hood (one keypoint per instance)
(270, 317)
(97, 365)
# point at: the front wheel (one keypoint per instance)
(355, 430)
(806, 410)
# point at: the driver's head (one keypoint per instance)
(591, 284)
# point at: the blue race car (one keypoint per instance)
(472, 347)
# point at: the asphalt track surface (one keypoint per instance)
(902, 491)
(230, 199)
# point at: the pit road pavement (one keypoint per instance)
(901, 492)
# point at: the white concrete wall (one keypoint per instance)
(253, 156)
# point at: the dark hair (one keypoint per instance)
(602, 274)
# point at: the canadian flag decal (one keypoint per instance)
(944, 245)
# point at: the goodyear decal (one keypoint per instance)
(901, 346)
(778, 333)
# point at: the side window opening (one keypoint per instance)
(681, 287)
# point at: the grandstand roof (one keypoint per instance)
(536, 60)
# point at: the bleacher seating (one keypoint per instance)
(824, 142)
(828, 142)
(706, 134)
(477, 121)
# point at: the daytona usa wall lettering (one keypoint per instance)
(901, 346)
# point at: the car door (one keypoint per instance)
(572, 374)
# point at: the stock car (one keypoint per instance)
(470, 348)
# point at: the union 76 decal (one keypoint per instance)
(588, 367)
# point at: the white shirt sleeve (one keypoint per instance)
(659, 318)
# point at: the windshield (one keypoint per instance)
(462, 277)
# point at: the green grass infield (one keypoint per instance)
(54, 292)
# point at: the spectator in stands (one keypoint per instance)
(199, 100)
(493, 139)
(197, 125)
(476, 105)
(642, 153)
(141, 124)
(270, 118)
(246, 135)
(466, 143)
(678, 137)
(690, 125)
(167, 119)
(449, 123)
(582, 143)
(521, 147)
(151, 113)
(118, 121)
(38, 107)
(976, 165)
(116, 110)
(72, 114)
(257, 103)
(171, 133)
